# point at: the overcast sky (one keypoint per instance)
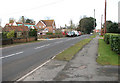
(59, 10)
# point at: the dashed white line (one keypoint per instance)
(42, 46)
(11, 55)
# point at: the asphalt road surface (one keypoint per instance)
(19, 60)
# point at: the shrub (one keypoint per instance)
(49, 33)
(107, 38)
(33, 33)
(4, 35)
(10, 34)
(115, 43)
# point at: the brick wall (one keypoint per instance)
(17, 40)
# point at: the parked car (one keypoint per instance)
(76, 33)
(79, 33)
(70, 34)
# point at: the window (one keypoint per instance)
(39, 26)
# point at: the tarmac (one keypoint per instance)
(83, 67)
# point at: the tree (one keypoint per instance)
(86, 25)
(72, 25)
(29, 21)
(111, 27)
(22, 19)
(10, 34)
(11, 20)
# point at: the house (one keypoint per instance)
(45, 26)
(29, 25)
(20, 31)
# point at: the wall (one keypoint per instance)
(17, 40)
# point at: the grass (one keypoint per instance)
(93, 36)
(107, 56)
(70, 52)
(20, 43)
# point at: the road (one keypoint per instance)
(19, 60)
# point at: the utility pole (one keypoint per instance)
(94, 18)
(94, 21)
(105, 17)
(101, 20)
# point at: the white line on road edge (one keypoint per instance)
(33, 71)
(11, 55)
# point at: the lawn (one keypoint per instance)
(71, 51)
(106, 56)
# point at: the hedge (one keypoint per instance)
(113, 40)
(115, 43)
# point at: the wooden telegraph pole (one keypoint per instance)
(105, 17)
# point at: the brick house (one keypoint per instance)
(29, 25)
(45, 26)
(20, 31)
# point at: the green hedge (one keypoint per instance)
(113, 40)
(107, 38)
(115, 43)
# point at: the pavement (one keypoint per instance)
(83, 67)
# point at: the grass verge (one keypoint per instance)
(93, 36)
(107, 56)
(71, 51)
(2, 46)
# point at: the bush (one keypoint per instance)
(114, 41)
(4, 35)
(49, 33)
(107, 38)
(10, 34)
(33, 33)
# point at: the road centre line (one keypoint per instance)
(42, 46)
(12, 55)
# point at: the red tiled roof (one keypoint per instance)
(15, 28)
(48, 22)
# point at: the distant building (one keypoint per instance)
(45, 26)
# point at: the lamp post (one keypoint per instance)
(105, 17)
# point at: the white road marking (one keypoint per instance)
(23, 77)
(33, 70)
(42, 46)
(11, 55)
(59, 42)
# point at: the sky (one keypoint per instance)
(62, 11)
